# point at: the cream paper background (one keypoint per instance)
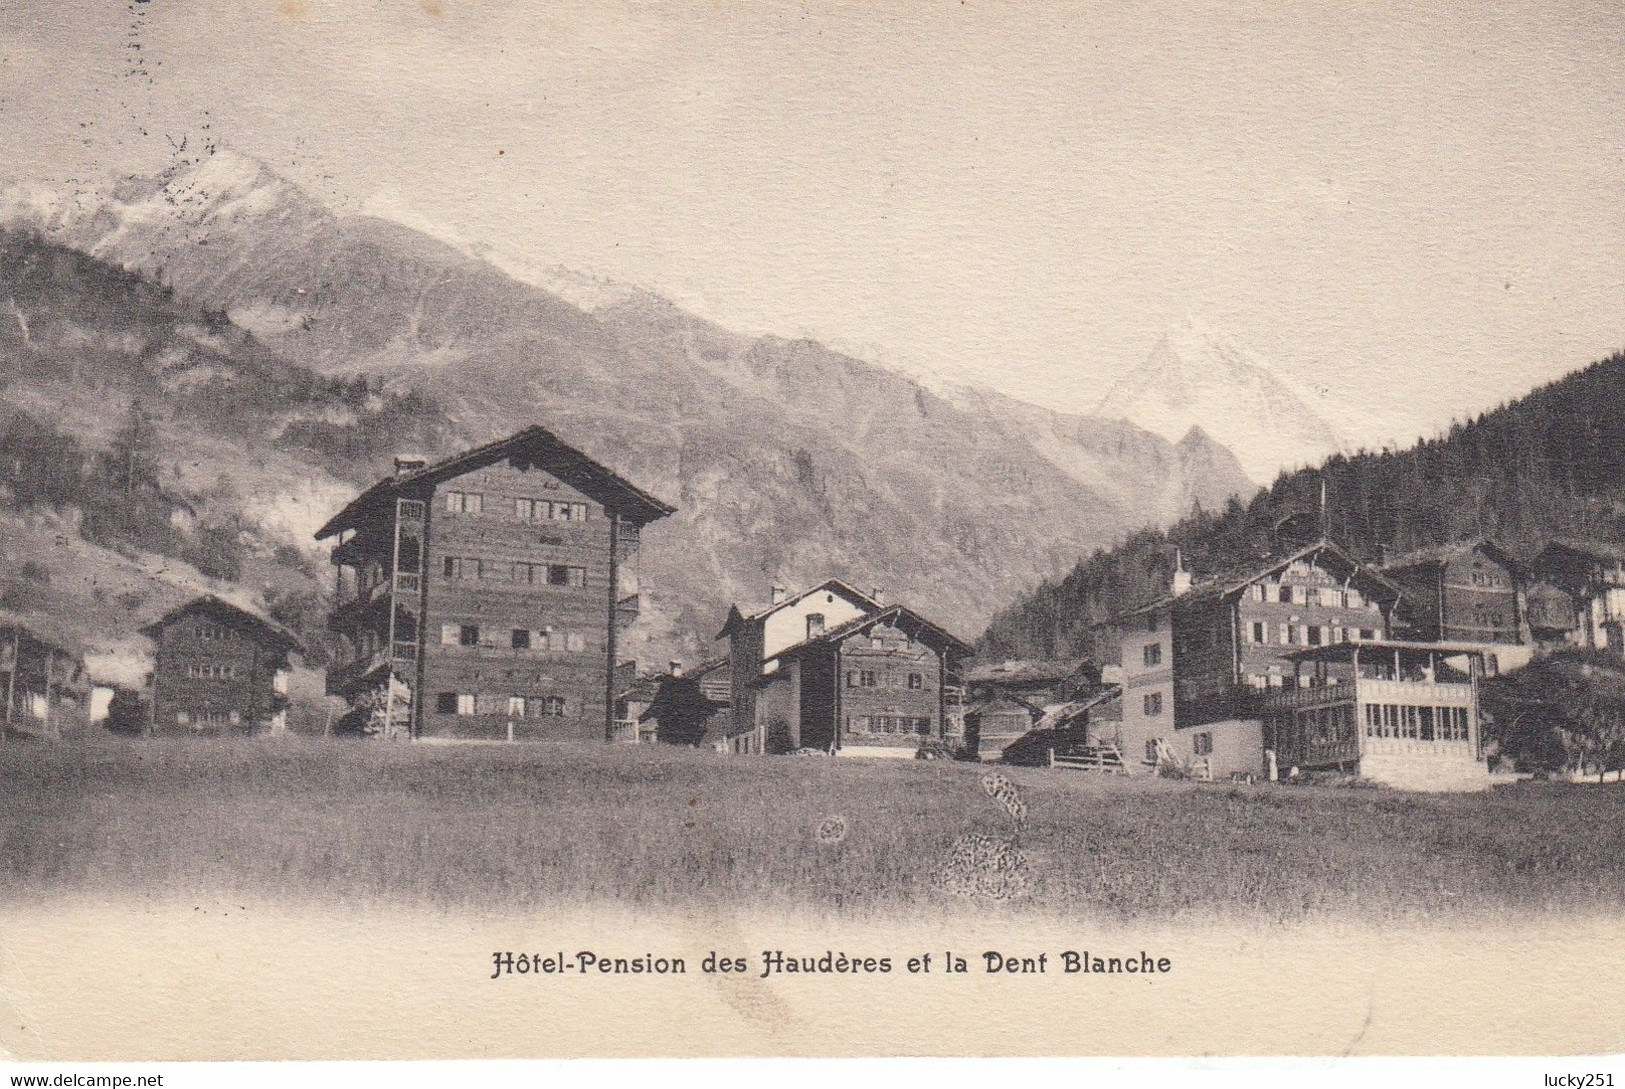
(186, 980)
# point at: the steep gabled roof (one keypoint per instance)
(1596, 550)
(219, 608)
(44, 630)
(1234, 581)
(897, 616)
(1029, 671)
(1439, 555)
(534, 446)
(747, 614)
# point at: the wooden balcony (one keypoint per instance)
(341, 679)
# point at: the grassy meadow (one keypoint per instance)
(519, 828)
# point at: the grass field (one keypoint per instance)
(522, 828)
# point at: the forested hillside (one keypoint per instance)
(1552, 462)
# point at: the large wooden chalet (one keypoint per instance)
(481, 596)
(1198, 663)
(219, 668)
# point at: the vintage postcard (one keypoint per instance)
(810, 529)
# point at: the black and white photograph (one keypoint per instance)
(831, 529)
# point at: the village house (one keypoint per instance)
(837, 670)
(1009, 698)
(1036, 682)
(219, 668)
(47, 690)
(1590, 576)
(1470, 591)
(481, 596)
(1400, 713)
(691, 708)
(995, 722)
(1198, 663)
(634, 693)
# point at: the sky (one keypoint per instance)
(1411, 210)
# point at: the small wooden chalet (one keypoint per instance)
(1040, 683)
(47, 690)
(1591, 575)
(691, 708)
(481, 596)
(1471, 592)
(219, 669)
(994, 723)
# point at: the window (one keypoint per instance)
(1202, 744)
(553, 706)
(1153, 750)
(1260, 632)
(468, 635)
(866, 678)
(445, 703)
(450, 635)
(815, 625)
(569, 512)
(1283, 594)
(1293, 635)
(455, 567)
(516, 706)
(1286, 633)
(521, 639)
(1152, 704)
(208, 671)
(210, 632)
(559, 574)
(465, 703)
(916, 681)
(524, 510)
(1314, 635)
(464, 503)
(1152, 654)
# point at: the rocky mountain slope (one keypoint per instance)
(1195, 377)
(343, 338)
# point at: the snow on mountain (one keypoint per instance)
(1195, 377)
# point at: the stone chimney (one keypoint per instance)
(778, 594)
(1182, 578)
(409, 463)
(675, 668)
(878, 593)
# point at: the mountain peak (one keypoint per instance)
(1198, 378)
